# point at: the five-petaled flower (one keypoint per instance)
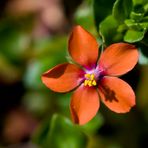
(93, 77)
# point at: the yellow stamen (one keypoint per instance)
(90, 83)
(94, 83)
(86, 82)
(87, 76)
(92, 76)
(90, 80)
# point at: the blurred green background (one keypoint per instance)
(33, 38)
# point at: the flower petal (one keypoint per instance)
(116, 94)
(63, 77)
(83, 47)
(119, 58)
(84, 104)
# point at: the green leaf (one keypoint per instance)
(145, 19)
(138, 2)
(122, 9)
(133, 36)
(102, 8)
(40, 135)
(146, 7)
(137, 16)
(108, 30)
(139, 8)
(62, 102)
(93, 126)
(61, 134)
(144, 25)
(130, 23)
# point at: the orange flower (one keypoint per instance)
(95, 79)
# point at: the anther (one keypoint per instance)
(90, 83)
(92, 76)
(90, 80)
(87, 76)
(86, 82)
(94, 83)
